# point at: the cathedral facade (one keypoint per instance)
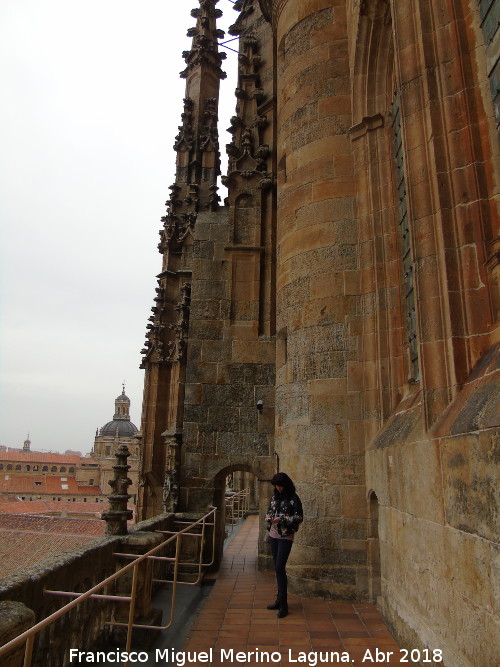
(337, 318)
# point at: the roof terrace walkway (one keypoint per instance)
(234, 616)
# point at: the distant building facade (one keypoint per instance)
(31, 475)
(45, 476)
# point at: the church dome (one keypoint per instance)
(120, 427)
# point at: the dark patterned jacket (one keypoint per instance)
(290, 512)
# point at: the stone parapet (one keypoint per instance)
(15, 618)
(85, 626)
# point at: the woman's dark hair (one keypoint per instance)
(282, 479)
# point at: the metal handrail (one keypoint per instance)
(241, 500)
(28, 637)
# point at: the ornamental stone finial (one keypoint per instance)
(117, 515)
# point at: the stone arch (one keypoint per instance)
(372, 142)
(374, 568)
(261, 493)
(374, 60)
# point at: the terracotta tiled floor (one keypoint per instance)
(234, 616)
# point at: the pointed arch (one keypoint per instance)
(374, 569)
(384, 337)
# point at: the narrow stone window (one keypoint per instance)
(406, 251)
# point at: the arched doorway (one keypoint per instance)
(374, 577)
(232, 480)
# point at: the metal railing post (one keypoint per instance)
(28, 651)
(131, 611)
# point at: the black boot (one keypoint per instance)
(275, 604)
(283, 610)
(283, 607)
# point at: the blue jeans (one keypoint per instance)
(280, 550)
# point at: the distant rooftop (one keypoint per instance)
(29, 540)
(91, 510)
(40, 457)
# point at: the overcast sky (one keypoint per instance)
(91, 101)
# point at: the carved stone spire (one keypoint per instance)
(248, 153)
(193, 192)
(197, 144)
(197, 169)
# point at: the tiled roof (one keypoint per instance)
(50, 524)
(42, 457)
(47, 507)
(38, 484)
(19, 551)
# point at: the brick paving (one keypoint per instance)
(234, 616)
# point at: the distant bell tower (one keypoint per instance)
(122, 406)
(27, 444)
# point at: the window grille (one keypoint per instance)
(406, 251)
(489, 13)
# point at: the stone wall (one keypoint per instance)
(387, 395)
(231, 350)
(438, 522)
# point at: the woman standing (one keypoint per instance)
(283, 518)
